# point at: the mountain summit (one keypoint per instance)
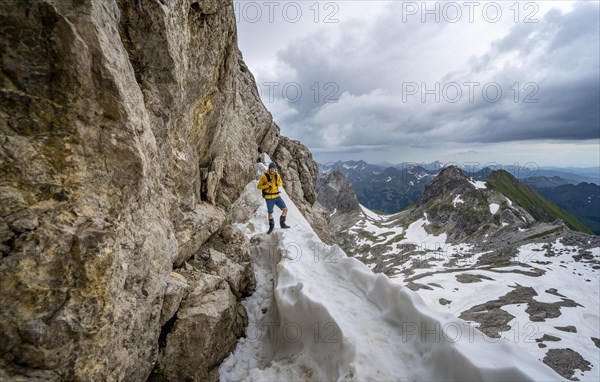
(468, 210)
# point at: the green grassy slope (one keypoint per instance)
(538, 206)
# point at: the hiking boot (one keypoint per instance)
(282, 222)
(271, 226)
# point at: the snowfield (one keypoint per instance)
(370, 214)
(416, 234)
(320, 315)
(450, 279)
(523, 331)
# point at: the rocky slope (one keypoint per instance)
(469, 250)
(128, 129)
(336, 194)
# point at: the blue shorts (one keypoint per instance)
(271, 203)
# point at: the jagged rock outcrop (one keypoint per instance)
(299, 169)
(227, 255)
(466, 211)
(127, 129)
(334, 192)
(450, 181)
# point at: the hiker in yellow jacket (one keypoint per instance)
(269, 183)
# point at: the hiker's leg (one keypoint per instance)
(270, 207)
(281, 204)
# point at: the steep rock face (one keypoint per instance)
(127, 129)
(334, 192)
(299, 172)
(298, 169)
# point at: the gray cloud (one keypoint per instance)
(372, 61)
(561, 57)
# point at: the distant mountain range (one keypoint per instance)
(387, 190)
(573, 175)
(587, 174)
(390, 188)
(582, 200)
(544, 181)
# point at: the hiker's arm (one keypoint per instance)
(262, 183)
(279, 181)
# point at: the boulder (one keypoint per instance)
(190, 351)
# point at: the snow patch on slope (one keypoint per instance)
(457, 200)
(478, 184)
(417, 235)
(494, 207)
(370, 214)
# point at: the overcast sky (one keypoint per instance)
(401, 81)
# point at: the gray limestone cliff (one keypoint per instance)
(335, 192)
(127, 130)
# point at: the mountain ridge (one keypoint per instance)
(392, 189)
(538, 206)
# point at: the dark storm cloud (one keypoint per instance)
(561, 61)
(555, 62)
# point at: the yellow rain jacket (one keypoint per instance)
(269, 184)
